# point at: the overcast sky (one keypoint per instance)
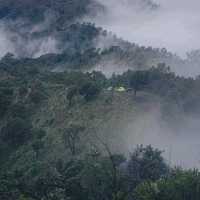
(175, 25)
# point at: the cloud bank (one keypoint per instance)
(173, 25)
(25, 39)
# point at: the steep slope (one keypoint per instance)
(48, 116)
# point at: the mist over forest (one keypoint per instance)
(99, 100)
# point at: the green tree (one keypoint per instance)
(89, 90)
(180, 185)
(145, 163)
(16, 132)
(6, 95)
(72, 137)
(72, 92)
(138, 80)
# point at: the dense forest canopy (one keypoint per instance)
(87, 115)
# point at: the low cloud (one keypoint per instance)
(24, 39)
(173, 24)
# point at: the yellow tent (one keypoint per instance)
(120, 89)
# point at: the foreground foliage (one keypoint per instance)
(54, 160)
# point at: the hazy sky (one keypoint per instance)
(174, 25)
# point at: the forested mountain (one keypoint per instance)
(35, 28)
(86, 115)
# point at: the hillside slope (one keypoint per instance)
(40, 110)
